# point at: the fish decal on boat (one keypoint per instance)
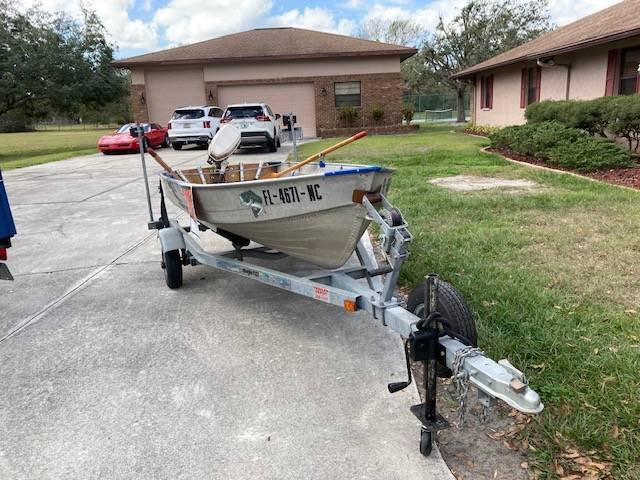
(253, 200)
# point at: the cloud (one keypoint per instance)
(122, 29)
(184, 21)
(567, 11)
(314, 18)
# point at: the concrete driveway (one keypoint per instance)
(106, 373)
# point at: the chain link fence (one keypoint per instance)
(436, 107)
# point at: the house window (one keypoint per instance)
(347, 94)
(530, 86)
(629, 72)
(486, 92)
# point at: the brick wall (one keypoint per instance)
(140, 112)
(383, 89)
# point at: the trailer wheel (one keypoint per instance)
(172, 267)
(426, 442)
(452, 305)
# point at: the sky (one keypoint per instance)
(141, 26)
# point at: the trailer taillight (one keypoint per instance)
(206, 124)
(3, 253)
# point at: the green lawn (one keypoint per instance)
(553, 277)
(31, 148)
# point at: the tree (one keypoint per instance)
(482, 29)
(54, 62)
(397, 32)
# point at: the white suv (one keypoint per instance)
(258, 125)
(195, 125)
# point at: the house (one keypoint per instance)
(309, 73)
(595, 56)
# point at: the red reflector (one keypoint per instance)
(262, 118)
(207, 124)
(3, 253)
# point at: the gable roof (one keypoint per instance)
(268, 44)
(617, 22)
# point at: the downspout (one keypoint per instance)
(550, 64)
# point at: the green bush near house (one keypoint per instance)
(588, 154)
(407, 113)
(561, 146)
(619, 116)
(623, 118)
(377, 112)
(534, 139)
(347, 114)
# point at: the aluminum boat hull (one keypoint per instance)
(311, 216)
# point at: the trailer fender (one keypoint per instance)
(171, 239)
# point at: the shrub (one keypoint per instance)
(623, 118)
(348, 115)
(407, 113)
(481, 130)
(588, 115)
(587, 154)
(377, 112)
(534, 139)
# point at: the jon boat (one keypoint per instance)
(311, 210)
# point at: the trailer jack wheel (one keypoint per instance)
(426, 442)
(172, 267)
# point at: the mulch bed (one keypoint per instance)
(627, 177)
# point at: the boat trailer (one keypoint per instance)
(430, 337)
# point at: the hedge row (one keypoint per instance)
(563, 146)
(618, 116)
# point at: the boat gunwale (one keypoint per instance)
(380, 169)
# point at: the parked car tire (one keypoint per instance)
(273, 147)
(278, 143)
(166, 143)
(176, 146)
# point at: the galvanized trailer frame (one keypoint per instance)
(431, 339)
(370, 288)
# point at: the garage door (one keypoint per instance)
(298, 98)
(170, 89)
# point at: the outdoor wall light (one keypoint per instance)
(323, 92)
(210, 97)
(142, 99)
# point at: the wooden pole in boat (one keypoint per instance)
(316, 156)
(157, 158)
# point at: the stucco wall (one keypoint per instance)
(304, 68)
(587, 81)
(506, 99)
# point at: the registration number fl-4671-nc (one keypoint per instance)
(292, 194)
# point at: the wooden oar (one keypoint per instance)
(157, 158)
(316, 156)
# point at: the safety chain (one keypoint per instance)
(461, 379)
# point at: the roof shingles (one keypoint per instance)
(266, 44)
(619, 21)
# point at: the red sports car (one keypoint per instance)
(122, 141)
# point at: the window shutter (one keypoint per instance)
(481, 92)
(612, 72)
(523, 89)
(538, 83)
(490, 86)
